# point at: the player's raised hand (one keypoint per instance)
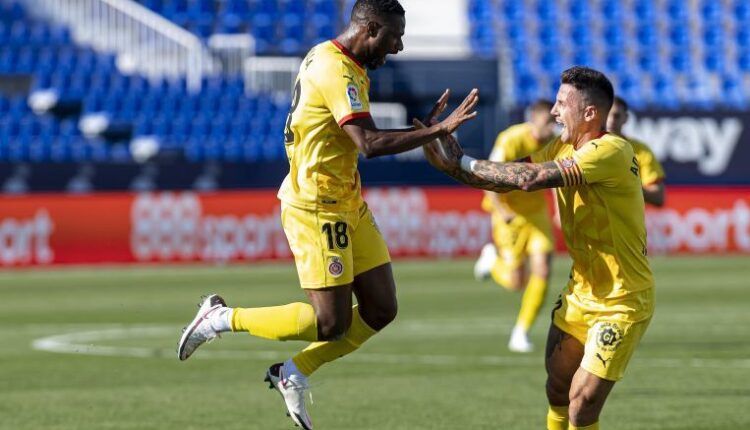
(464, 112)
(438, 108)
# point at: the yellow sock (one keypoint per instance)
(594, 426)
(319, 353)
(557, 418)
(295, 321)
(500, 274)
(531, 303)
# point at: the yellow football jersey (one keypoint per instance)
(602, 217)
(331, 89)
(651, 170)
(515, 143)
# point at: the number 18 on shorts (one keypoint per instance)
(331, 248)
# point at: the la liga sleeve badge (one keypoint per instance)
(352, 93)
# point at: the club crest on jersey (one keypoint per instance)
(335, 266)
(353, 94)
(608, 336)
(567, 163)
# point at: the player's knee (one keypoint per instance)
(515, 281)
(388, 313)
(382, 315)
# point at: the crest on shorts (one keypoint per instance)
(353, 94)
(335, 266)
(608, 336)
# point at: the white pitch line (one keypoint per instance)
(84, 343)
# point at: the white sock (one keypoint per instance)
(221, 320)
(519, 331)
(291, 369)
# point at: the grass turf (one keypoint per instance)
(442, 365)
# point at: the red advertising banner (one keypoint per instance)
(245, 226)
(701, 220)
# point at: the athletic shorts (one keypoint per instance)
(524, 235)
(610, 333)
(331, 248)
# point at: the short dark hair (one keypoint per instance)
(541, 105)
(622, 103)
(365, 9)
(596, 88)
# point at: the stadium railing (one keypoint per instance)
(143, 40)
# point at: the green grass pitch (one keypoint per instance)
(442, 365)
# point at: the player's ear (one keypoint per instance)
(590, 112)
(373, 28)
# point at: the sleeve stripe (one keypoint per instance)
(571, 172)
(352, 116)
(578, 174)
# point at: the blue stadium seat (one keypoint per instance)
(580, 11)
(677, 9)
(644, 10)
(732, 91)
(665, 92)
(712, 11)
(742, 11)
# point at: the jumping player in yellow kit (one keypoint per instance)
(337, 247)
(520, 254)
(652, 173)
(608, 302)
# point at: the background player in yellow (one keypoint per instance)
(520, 256)
(608, 302)
(337, 247)
(652, 173)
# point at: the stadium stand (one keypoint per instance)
(661, 54)
(221, 122)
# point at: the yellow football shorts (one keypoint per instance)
(610, 333)
(331, 248)
(524, 235)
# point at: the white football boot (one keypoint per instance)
(486, 260)
(292, 386)
(202, 329)
(519, 341)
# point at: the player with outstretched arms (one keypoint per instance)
(337, 247)
(608, 302)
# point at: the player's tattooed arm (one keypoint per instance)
(447, 155)
(501, 177)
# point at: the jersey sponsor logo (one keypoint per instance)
(608, 336)
(353, 94)
(335, 266)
